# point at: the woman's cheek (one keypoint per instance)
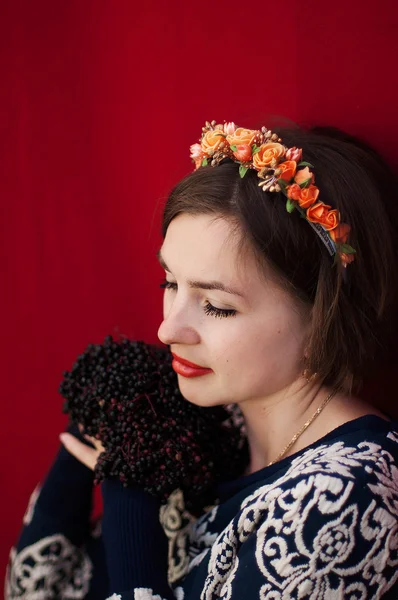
(168, 299)
(228, 350)
(165, 304)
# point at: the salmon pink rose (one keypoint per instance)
(196, 152)
(287, 170)
(320, 213)
(340, 233)
(242, 136)
(211, 141)
(229, 128)
(294, 154)
(304, 175)
(293, 191)
(308, 196)
(243, 152)
(267, 155)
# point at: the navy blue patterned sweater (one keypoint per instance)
(319, 525)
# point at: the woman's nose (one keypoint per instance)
(177, 327)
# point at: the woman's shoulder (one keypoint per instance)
(356, 451)
(349, 477)
(355, 448)
(325, 515)
(330, 511)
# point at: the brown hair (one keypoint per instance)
(353, 310)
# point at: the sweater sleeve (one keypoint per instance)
(50, 558)
(62, 504)
(136, 546)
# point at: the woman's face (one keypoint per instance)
(253, 351)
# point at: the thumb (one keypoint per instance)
(86, 455)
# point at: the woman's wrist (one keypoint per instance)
(136, 546)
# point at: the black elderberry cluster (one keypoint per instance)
(125, 393)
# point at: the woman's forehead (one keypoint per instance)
(202, 245)
(209, 241)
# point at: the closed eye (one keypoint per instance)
(208, 308)
(168, 285)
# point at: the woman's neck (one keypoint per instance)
(272, 422)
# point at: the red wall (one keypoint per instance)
(99, 103)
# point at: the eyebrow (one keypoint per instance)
(204, 285)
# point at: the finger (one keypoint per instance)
(90, 439)
(96, 443)
(86, 455)
(85, 435)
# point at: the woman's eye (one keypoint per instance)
(168, 285)
(208, 308)
(219, 312)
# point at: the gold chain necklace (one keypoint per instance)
(303, 428)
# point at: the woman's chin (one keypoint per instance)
(197, 396)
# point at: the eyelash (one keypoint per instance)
(209, 308)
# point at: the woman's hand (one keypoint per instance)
(85, 454)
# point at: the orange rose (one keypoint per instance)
(320, 213)
(267, 154)
(242, 136)
(332, 220)
(243, 152)
(293, 191)
(198, 163)
(340, 233)
(308, 196)
(211, 141)
(287, 170)
(303, 175)
(346, 259)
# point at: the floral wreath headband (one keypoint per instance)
(280, 170)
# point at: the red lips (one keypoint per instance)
(187, 368)
(187, 362)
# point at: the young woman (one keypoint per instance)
(280, 254)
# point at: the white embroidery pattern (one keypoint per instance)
(147, 594)
(295, 564)
(176, 522)
(51, 568)
(28, 516)
(179, 593)
(393, 436)
(189, 539)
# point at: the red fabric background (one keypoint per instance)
(99, 103)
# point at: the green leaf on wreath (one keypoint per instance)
(347, 249)
(242, 171)
(204, 162)
(306, 164)
(233, 148)
(255, 149)
(283, 185)
(290, 206)
(306, 183)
